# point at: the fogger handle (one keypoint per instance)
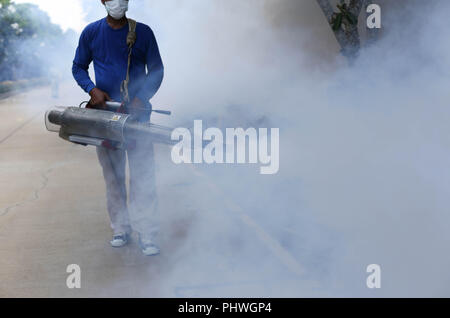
(164, 112)
(115, 106)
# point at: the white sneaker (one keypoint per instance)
(148, 248)
(119, 240)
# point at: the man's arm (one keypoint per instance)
(83, 57)
(155, 70)
(80, 67)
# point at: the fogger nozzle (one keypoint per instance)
(55, 117)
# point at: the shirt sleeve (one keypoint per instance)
(155, 70)
(83, 58)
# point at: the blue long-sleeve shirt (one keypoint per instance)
(108, 49)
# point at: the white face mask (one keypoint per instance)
(116, 8)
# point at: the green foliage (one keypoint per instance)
(27, 39)
(5, 2)
(344, 15)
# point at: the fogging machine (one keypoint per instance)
(110, 127)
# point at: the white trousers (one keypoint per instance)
(141, 212)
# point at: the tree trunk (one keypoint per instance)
(347, 33)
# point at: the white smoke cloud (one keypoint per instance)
(364, 150)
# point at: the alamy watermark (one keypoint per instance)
(250, 146)
(73, 281)
(373, 281)
(374, 18)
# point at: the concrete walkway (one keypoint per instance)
(53, 212)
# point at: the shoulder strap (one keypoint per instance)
(131, 37)
(131, 40)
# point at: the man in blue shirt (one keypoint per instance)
(104, 43)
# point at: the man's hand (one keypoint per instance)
(98, 98)
(136, 104)
(137, 108)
